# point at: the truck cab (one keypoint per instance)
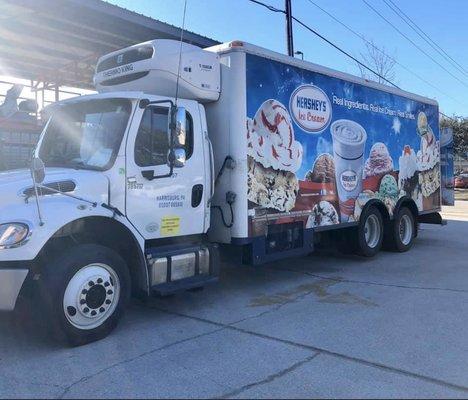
(119, 200)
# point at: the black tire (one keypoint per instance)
(373, 215)
(56, 276)
(397, 236)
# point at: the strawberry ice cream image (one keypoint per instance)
(270, 139)
(274, 157)
(379, 161)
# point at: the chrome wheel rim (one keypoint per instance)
(405, 229)
(91, 296)
(372, 231)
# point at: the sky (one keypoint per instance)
(443, 21)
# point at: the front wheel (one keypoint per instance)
(370, 232)
(85, 292)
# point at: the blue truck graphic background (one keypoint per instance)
(397, 130)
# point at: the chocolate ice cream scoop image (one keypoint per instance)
(323, 170)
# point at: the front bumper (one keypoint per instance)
(11, 281)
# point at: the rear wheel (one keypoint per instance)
(370, 232)
(84, 292)
(401, 231)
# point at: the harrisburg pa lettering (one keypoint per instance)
(311, 104)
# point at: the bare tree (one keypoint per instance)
(380, 62)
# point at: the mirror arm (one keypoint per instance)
(145, 103)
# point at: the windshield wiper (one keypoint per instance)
(82, 165)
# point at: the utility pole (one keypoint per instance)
(289, 28)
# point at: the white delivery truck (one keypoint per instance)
(131, 189)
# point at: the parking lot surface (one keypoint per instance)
(326, 325)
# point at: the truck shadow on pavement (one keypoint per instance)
(251, 291)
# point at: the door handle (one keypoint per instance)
(197, 195)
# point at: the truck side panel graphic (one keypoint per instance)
(320, 147)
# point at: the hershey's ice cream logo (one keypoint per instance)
(310, 108)
(311, 104)
(348, 180)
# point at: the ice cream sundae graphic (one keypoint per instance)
(428, 164)
(408, 176)
(273, 157)
(323, 213)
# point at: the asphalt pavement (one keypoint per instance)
(326, 325)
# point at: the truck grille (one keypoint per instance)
(127, 57)
(124, 79)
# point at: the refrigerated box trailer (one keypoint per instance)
(132, 189)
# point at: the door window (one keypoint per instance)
(152, 141)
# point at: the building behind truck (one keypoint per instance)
(185, 148)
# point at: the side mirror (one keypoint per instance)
(38, 170)
(177, 158)
(180, 122)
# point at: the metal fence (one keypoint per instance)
(16, 145)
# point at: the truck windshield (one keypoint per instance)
(85, 135)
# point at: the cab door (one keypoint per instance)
(170, 206)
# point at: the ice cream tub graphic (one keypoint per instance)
(349, 139)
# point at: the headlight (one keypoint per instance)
(13, 234)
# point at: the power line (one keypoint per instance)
(429, 38)
(269, 7)
(274, 9)
(360, 36)
(408, 21)
(414, 44)
(343, 51)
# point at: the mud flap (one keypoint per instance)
(432, 218)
